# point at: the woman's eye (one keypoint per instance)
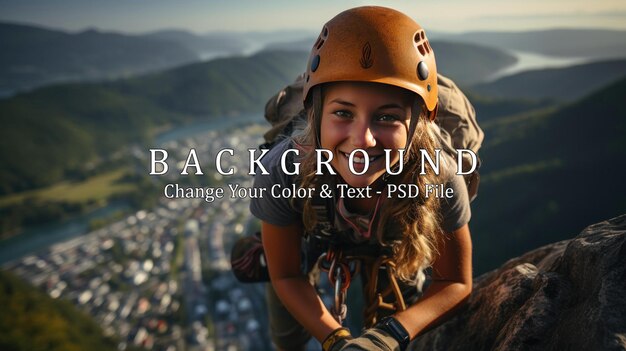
(342, 114)
(387, 118)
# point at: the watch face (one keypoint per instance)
(396, 330)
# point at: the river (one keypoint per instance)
(195, 128)
(36, 238)
(527, 61)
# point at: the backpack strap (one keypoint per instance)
(325, 210)
(282, 109)
(458, 129)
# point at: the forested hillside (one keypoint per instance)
(549, 173)
(30, 320)
(57, 131)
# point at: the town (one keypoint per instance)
(160, 278)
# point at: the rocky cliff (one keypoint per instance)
(570, 295)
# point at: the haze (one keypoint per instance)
(200, 16)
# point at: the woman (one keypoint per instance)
(370, 86)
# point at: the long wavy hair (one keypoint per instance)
(410, 226)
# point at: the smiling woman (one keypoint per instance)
(371, 95)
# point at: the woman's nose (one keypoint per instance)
(362, 136)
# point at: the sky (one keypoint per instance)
(201, 16)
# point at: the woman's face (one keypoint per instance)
(368, 116)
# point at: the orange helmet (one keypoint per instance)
(374, 44)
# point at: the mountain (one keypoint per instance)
(591, 43)
(214, 44)
(548, 173)
(469, 63)
(211, 44)
(76, 124)
(465, 63)
(564, 84)
(33, 56)
(30, 320)
(488, 108)
(300, 44)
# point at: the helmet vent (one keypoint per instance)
(422, 43)
(319, 44)
(420, 47)
(418, 37)
(321, 39)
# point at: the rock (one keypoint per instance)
(569, 295)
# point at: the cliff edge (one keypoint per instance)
(570, 295)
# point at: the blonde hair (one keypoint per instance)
(410, 226)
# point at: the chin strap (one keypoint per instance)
(416, 112)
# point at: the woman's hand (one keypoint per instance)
(282, 251)
(372, 339)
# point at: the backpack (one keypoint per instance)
(455, 126)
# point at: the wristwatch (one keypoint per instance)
(396, 330)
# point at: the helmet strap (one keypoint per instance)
(416, 112)
(316, 118)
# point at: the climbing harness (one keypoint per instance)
(375, 300)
